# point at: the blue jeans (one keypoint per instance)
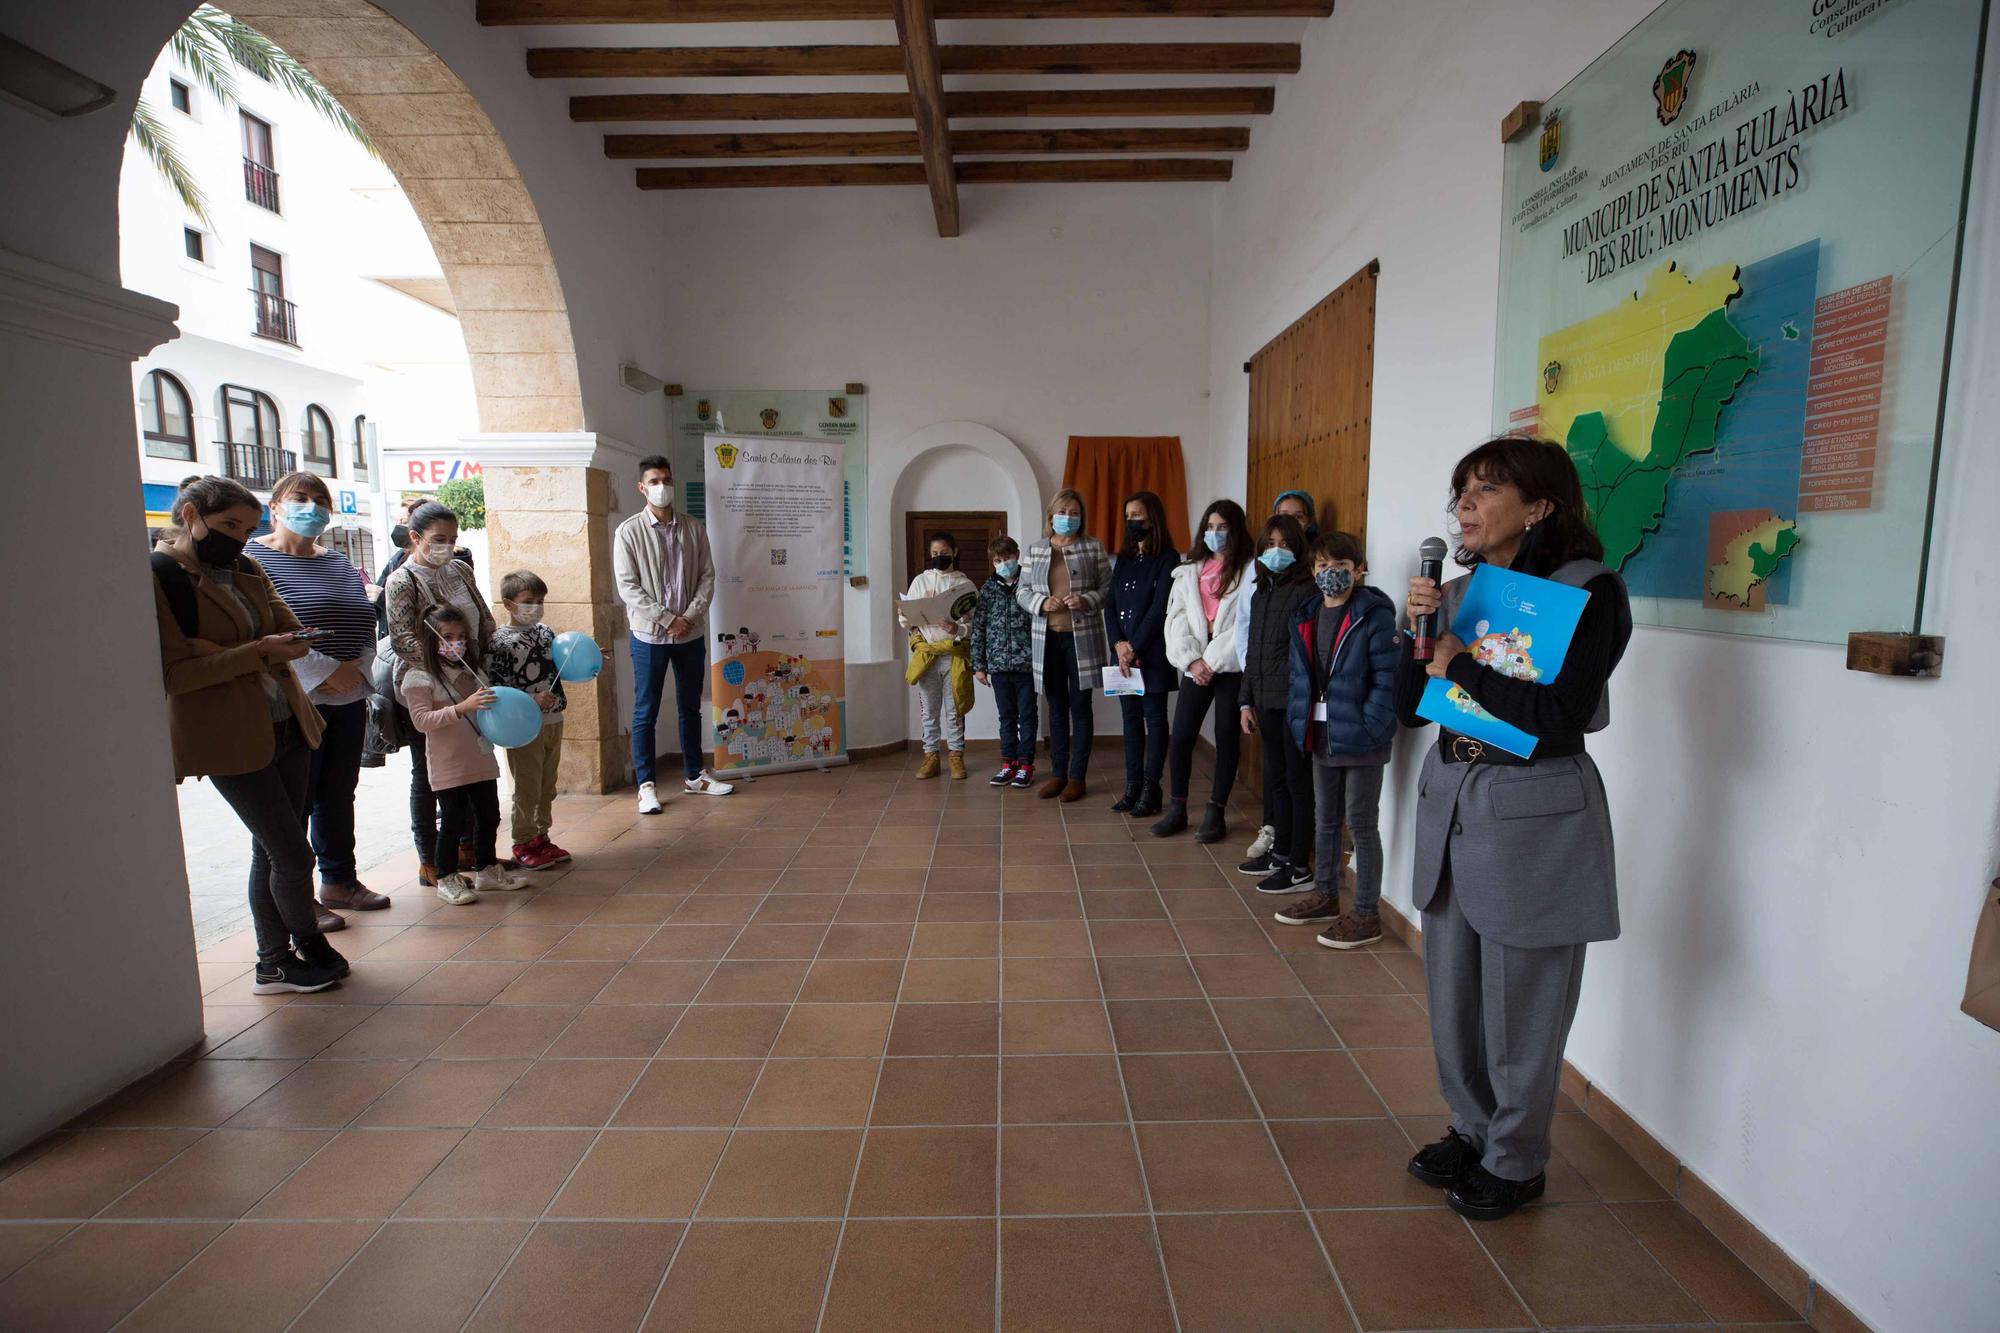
(1145, 720)
(1020, 714)
(1071, 727)
(336, 770)
(649, 674)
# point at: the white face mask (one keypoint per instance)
(435, 554)
(660, 495)
(528, 613)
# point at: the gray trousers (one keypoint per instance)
(937, 707)
(1500, 1016)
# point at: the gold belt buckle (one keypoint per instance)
(1466, 750)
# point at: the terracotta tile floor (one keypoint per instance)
(844, 1051)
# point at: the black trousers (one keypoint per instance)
(1145, 719)
(271, 802)
(1288, 788)
(1071, 727)
(423, 801)
(336, 771)
(470, 811)
(1221, 691)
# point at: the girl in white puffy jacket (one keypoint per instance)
(1202, 645)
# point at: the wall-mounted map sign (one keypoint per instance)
(1728, 265)
(818, 414)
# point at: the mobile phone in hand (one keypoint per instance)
(308, 634)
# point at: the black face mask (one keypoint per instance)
(218, 549)
(399, 537)
(1136, 530)
(942, 561)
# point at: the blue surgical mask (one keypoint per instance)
(1066, 525)
(304, 517)
(1277, 559)
(1007, 569)
(1215, 539)
(1334, 582)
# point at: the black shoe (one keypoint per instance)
(318, 953)
(1148, 803)
(1445, 1162)
(1127, 801)
(1284, 878)
(1173, 821)
(1213, 827)
(291, 975)
(1259, 865)
(1485, 1197)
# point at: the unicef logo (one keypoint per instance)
(732, 672)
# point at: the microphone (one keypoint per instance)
(1430, 565)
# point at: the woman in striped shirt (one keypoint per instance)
(326, 592)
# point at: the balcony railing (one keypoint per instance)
(257, 466)
(260, 184)
(276, 317)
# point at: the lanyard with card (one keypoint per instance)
(1319, 702)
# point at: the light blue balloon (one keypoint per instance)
(512, 721)
(578, 658)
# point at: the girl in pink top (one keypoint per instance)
(442, 693)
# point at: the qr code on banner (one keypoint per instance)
(778, 554)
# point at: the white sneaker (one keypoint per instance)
(456, 890)
(649, 799)
(1266, 836)
(497, 878)
(707, 786)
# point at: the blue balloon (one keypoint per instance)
(512, 721)
(578, 658)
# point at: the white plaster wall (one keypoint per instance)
(1802, 849)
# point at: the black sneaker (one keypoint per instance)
(1285, 878)
(1445, 1162)
(1485, 1197)
(1308, 911)
(319, 954)
(1024, 776)
(1214, 828)
(291, 975)
(1004, 776)
(1259, 865)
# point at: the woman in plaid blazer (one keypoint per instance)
(1065, 597)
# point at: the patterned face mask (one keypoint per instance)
(452, 650)
(528, 613)
(1334, 582)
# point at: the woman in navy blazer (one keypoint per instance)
(1135, 620)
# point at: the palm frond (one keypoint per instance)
(198, 47)
(157, 143)
(268, 61)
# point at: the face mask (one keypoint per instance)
(399, 537)
(1065, 525)
(305, 518)
(1334, 582)
(435, 554)
(1215, 540)
(942, 561)
(528, 613)
(1136, 530)
(1278, 559)
(1007, 569)
(217, 548)
(452, 650)
(660, 495)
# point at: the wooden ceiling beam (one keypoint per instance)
(496, 13)
(640, 107)
(1052, 172)
(904, 143)
(676, 62)
(916, 32)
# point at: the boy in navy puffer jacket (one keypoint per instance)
(1342, 714)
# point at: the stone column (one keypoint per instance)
(547, 513)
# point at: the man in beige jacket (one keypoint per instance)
(666, 577)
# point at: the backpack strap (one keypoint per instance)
(179, 589)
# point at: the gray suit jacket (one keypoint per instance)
(1528, 848)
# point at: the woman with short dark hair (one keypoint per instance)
(1135, 621)
(240, 718)
(326, 592)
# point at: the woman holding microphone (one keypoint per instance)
(1514, 868)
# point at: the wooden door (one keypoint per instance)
(971, 529)
(1311, 394)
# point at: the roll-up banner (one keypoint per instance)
(777, 672)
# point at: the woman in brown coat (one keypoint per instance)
(240, 718)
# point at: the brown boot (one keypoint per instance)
(1051, 789)
(1073, 790)
(956, 760)
(928, 769)
(427, 874)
